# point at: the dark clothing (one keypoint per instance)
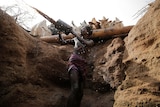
(77, 71)
(76, 62)
(76, 94)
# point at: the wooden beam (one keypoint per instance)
(55, 38)
(97, 34)
(108, 33)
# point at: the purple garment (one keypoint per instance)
(78, 63)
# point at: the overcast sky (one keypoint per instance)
(80, 10)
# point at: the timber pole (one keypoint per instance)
(96, 34)
(109, 32)
(55, 38)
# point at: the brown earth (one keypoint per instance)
(34, 73)
(122, 72)
(141, 87)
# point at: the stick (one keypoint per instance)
(44, 15)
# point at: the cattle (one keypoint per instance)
(53, 29)
(105, 23)
(94, 24)
(77, 29)
(83, 24)
(116, 24)
(40, 30)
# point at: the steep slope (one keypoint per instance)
(34, 74)
(141, 87)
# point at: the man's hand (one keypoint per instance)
(62, 41)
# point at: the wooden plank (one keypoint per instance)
(98, 33)
(108, 33)
(55, 38)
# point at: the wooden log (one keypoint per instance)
(44, 15)
(109, 32)
(55, 38)
(98, 33)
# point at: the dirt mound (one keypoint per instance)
(142, 84)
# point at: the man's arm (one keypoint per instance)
(64, 42)
(85, 41)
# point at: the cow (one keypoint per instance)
(105, 23)
(94, 24)
(40, 30)
(76, 28)
(116, 24)
(53, 29)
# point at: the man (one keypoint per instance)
(77, 65)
